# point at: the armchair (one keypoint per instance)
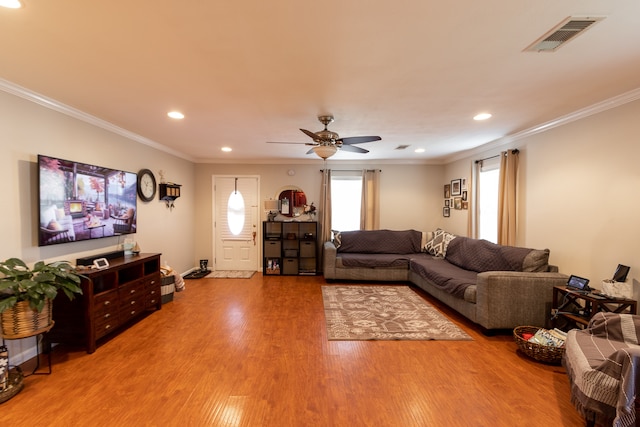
(603, 365)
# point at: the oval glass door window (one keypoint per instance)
(235, 213)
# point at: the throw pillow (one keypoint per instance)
(437, 246)
(536, 261)
(337, 238)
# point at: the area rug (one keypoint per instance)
(384, 313)
(231, 274)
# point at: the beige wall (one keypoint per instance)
(578, 193)
(409, 192)
(28, 129)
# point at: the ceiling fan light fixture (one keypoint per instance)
(325, 151)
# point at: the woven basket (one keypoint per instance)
(539, 352)
(21, 321)
(15, 384)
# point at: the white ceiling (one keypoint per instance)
(414, 72)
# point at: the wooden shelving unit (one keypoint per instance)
(289, 248)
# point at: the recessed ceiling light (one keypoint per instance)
(226, 149)
(482, 116)
(419, 150)
(11, 4)
(175, 115)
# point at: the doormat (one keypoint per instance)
(231, 274)
(355, 313)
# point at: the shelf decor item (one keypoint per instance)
(539, 352)
(26, 295)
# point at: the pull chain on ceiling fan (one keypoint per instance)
(326, 143)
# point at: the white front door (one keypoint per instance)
(236, 221)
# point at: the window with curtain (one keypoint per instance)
(487, 199)
(346, 200)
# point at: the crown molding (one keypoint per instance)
(52, 104)
(24, 93)
(599, 107)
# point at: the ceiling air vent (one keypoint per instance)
(562, 33)
(402, 147)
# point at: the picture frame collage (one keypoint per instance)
(456, 196)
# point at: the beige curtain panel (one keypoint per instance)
(508, 198)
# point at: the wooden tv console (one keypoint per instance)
(112, 299)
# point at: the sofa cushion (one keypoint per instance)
(380, 241)
(439, 243)
(443, 275)
(482, 255)
(372, 260)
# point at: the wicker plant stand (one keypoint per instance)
(21, 321)
(539, 352)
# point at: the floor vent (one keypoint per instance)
(562, 33)
(402, 147)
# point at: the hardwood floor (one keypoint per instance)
(254, 352)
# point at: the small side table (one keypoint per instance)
(37, 335)
(589, 304)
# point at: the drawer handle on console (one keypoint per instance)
(133, 302)
(133, 312)
(107, 302)
(107, 326)
(106, 316)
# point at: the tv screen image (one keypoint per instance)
(79, 201)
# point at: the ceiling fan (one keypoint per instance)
(326, 143)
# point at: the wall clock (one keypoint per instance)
(146, 185)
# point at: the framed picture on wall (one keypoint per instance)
(464, 184)
(465, 205)
(446, 203)
(447, 191)
(464, 195)
(457, 203)
(446, 212)
(456, 188)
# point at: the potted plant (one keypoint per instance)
(26, 295)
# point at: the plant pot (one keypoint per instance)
(21, 321)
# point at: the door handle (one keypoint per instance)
(254, 238)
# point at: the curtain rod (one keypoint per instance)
(514, 151)
(353, 170)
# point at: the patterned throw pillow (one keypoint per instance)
(437, 246)
(337, 238)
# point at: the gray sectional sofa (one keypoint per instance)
(495, 286)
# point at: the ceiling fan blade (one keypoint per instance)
(300, 143)
(358, 139)
(353, 149)
(310, 134)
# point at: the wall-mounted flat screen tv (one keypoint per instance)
(79, 201)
